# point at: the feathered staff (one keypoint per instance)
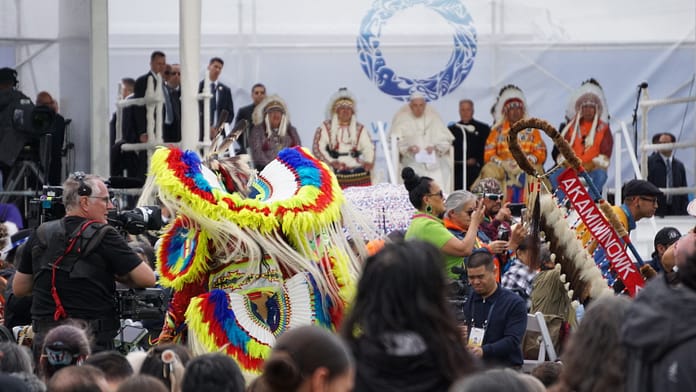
(574, 163)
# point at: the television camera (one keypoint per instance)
(136, 221)
(142, 304)
(139, 309)
(18, 111)
(22, 125)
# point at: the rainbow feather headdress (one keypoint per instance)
(291, 221)
(293, 212)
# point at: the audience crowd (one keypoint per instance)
(401, 334)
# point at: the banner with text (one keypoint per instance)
(601, 231)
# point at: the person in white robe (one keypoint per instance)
(423, 141)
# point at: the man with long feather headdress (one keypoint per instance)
(588, 131)
(511, 107)
(343, 143)
(272, 131)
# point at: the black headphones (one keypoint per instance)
(83, 189)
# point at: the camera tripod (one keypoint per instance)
(27, 177)
(19, 180)
(19, 187)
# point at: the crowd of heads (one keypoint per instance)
(66, 363)
(402, 288)
(592, 360)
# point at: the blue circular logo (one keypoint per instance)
(444, 82)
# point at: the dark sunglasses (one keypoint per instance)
(441, 194)
(492, 196)
(652, 200)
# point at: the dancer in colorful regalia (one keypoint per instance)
(249, 257)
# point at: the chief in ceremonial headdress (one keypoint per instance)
(511, 107)
(588, 131)
(272, 131)
(343, 143)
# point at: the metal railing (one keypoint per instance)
(640, 167)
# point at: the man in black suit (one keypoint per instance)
(172, 99)
(158, 62)
(133, 162)
(134, 121)
(258, 93)
(476, 134)
(51, 162)
(221, 105)
(665, 171)
(116, 136)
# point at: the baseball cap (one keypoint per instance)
(487, 185)
(640, 188)
(667, 236)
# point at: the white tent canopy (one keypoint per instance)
(304, 50)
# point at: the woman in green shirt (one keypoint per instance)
(427, 197)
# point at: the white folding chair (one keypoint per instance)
(537, 323)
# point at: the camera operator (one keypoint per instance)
(14, 109)
(71, 265)
(51, 161)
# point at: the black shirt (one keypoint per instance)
(85, 298)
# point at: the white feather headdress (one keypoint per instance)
(590, 90)
(507, 93)
(268, 103)
(342, 94)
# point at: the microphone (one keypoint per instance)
(643, 85)
(125, 182)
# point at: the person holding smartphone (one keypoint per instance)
(500, 235)
(498, 217)
(427, 197)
